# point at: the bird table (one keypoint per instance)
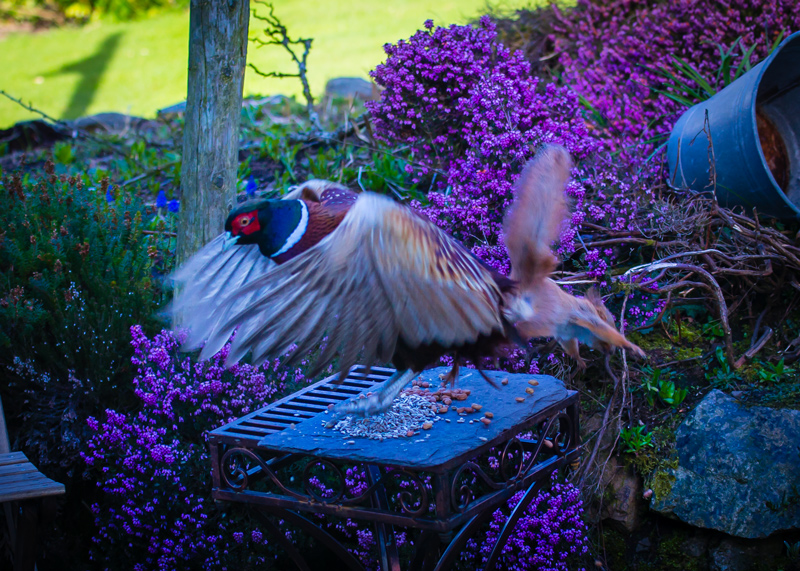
(444, 482)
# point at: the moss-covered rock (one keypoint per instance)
(737, 470)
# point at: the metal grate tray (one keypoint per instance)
(301, 405)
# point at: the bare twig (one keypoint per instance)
(148, 173)
(757, 346)
(586, 468)
(277, 35)
(621, 394)
(75, 132)
(39, 112)
(708, 282)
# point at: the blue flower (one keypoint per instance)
(174, 205)
(161, 199)
(110, 194)
(251, 187)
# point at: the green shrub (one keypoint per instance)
(771, 373)
(55, 11)
(658, 388)
(721, 377)
(635, 439)
(76, 271)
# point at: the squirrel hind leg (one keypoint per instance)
(572, 348)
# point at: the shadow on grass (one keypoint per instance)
(90, 70)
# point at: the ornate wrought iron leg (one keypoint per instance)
(287, 545)
(460, 540)
(311, 529)
(517, 512)
(387, 542)
(426, 551)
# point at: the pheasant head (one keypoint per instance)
(274, 225)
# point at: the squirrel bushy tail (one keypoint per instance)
(534, 221)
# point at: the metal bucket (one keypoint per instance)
(754, 144)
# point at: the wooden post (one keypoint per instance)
(217, 57)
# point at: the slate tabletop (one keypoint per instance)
(445, 445)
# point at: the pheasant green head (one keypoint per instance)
(275, 225)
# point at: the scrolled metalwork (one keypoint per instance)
(565, 423)
(364, 496)
(236, 476)
(405, 497)
(462, 495)
(505, 459)
(559, 442)
(308, 486)
(556, 445)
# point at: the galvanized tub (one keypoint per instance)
(752, 157)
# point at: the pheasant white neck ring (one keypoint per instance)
(298, 232)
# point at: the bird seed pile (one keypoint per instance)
(409, 414)
(418, 407)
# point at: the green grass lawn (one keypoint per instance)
(139, 67)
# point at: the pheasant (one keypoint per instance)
(381, 281)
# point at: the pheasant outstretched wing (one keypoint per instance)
(383, 275)
(203, 281)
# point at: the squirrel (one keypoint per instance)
(539, 307)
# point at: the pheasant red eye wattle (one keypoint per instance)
(246, 224)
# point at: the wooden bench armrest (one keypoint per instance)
(20, 480)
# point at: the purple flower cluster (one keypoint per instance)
(468, 107)
(550, 535)
(471, 114)
(152, 466)
(613, 51)
(425, 78)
